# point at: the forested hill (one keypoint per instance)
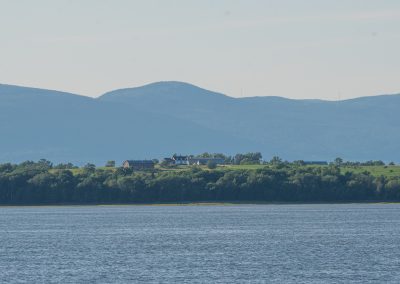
(163, 118)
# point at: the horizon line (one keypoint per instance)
(196, 86)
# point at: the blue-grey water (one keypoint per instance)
(352, 243)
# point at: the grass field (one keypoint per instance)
(389, 171)
(80, 170)
(244, 167)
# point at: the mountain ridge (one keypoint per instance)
(162, 118)
(3, 85)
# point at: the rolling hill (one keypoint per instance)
(358, 129)
(37, 123)
(162, 118)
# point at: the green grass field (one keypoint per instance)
(244, 167)
(80, 170)
(389, 171)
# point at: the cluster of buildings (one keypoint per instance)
(189, 160)
(178, 160)
(174, 160)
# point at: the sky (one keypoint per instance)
(325, 49)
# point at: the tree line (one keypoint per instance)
(42, 183)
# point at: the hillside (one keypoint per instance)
(64, 127)
(173, 117)
(357, 129)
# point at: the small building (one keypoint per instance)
(180, 160)
(205, 161)
(138, 164)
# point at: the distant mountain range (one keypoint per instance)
(163, 118)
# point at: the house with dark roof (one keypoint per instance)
(180, 160)
(138, 164)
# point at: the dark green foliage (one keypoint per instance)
(248, 159)
(64, 166)
(89, 168)
(227, 159)
(340, 162)
(110, 164)
(211, 165)
(39, 183)
(299, 163)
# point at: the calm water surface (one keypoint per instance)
(358, 243)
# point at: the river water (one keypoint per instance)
(342, 243)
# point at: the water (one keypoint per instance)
(357, 243)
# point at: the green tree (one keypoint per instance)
(110, 164)
(89, 168)
(338, 162)
(248, 158)
(275, 160)
(211, 165)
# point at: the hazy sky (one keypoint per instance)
(298, 49)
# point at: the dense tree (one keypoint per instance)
(89, 168)
(338, 161)
(39, 183)
(299, 163)
(248, 159)
(62, 166)
(211, 165)
(110, 164)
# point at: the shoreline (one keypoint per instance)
(205, 203)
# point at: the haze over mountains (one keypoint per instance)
(163, 118)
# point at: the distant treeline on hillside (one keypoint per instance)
(42, 183)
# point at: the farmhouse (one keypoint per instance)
(190, 160)
(138, 164)
(180, 160)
